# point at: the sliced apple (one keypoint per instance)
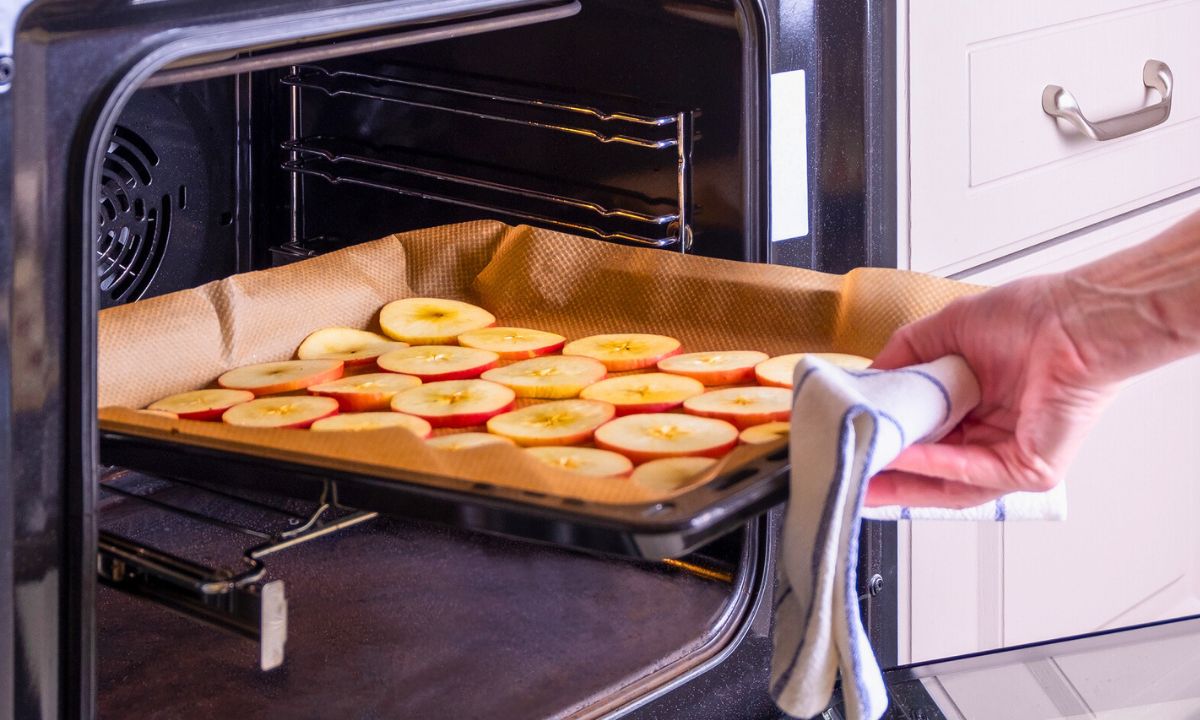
(468, 440)
(585, 461)
(362, 393)
(669, 474)
(201, 404)
(160, 413)
(714, 368)
(743, 406)
(373, 421)
(629, 351)
(549, 378)
(647, 392)
(285, 376)
(431, 321)
(778, 371)
(651, 436)
(281, 412)
(513, 343)
(561, 422)
(432, 363)
(765, 433)
(353, 347)
(455, 403)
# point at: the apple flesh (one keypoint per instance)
(455, 403)
(201, 404)
(373, 421)
(585, 461)
(651, 436)
(628, 351)
(561, 422)
(281, 412)
(549, 378)
(513, 343)
(280, 377)
(743, 406)
(778, 371)
(431, 321)
(765, 433)
(353, 347)
(670, 474)
(364, 393)
(468, 440)
(715, 368)
(433, 363)
(648, 392)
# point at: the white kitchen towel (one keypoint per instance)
(846, 426)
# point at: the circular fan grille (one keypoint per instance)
(134, 221)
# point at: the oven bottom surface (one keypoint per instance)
(395, 619)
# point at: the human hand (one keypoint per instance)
(1040, 394)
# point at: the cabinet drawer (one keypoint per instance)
(990, 171)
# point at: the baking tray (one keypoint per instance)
(527, 277)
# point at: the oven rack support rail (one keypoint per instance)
(237, 600)
(668, 131)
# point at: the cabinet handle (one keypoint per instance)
(1060, 103)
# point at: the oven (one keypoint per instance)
(154, 147)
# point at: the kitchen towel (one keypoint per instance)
(847, 425)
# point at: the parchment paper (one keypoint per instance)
(527, 277)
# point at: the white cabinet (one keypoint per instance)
(1130, 549)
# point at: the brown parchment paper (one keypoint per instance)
(526, 277)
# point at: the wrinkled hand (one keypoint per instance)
(1039, 397)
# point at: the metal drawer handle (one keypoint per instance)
(1155, 74)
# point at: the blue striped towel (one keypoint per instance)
(846, 426)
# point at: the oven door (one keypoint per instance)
(1146, 671)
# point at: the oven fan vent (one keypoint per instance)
(134, 219)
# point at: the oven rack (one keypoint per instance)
(466, 184)
(237, 599)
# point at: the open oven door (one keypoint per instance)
(1145, 671)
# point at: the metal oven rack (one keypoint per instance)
(236, 597)
(497, 192)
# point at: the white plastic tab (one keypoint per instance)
(789, 156)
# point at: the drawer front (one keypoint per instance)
(990, 171)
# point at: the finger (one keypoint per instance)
(908, 490)
(1000, 467)
(925, 340)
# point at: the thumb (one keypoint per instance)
(922, 341)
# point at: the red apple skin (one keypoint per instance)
(329, 375)
(743, 420)
(359, 402)
(463, 420)
(536, 352)
(635, 408)
(468, 374)
(770, 383)
(302, 425)
(639, 457)
(214, 414)
(718, 377)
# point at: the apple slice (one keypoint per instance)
(432, 363)
(160, 413)
(549, 378)
(778, 371)
(361, 393)
(284, 376)
(455, 403)
(743, 406)
(468, 440)
(374, 421)
(714, 368)
(561, 422)
(201, 404)
(630, 351)
(585, 461)
(765, 433)
(648, 392)
(670, 474)
(650, 436)
(431, 321)
(513, 343)
(353, 347)
(281, 412)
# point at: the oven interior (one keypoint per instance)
(628, 122)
